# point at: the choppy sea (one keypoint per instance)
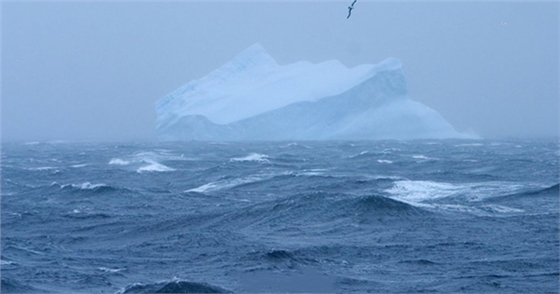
(330, 217)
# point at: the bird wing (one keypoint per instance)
(354, 2)
(349, 12)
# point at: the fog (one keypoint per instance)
(93, 71)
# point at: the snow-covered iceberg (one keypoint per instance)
(253, 98)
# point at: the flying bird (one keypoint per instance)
(350, 9)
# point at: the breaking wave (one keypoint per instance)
(154, 166)
(231, 183)
(86, 187)
(251, 157)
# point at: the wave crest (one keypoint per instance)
(251, 157)
(173, 287)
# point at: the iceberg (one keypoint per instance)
(252, 97)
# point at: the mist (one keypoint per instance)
(93, 71)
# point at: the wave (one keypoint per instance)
(86, 187)
(330, 213)
(551, 191)
(110, 270)
(365, 154)
(231, 183)
(287, 257)
(251, 157)
(79, 165)
(154, 166)
(6, 262)
(42, 168)
(173, 287)
(421, 262)
(148, 161)
(82, 186)
(423, 158)
(416, 192)
(381, 205)
(296, 145)
(76, 214)
(419, 191)
(501, 209)
(118, 161)
(14, 286)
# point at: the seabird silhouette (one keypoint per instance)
(350, 9)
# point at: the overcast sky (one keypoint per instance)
(93, 71)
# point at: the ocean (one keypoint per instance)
(331, 217)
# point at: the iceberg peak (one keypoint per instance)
(254, 56)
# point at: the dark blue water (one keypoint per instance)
(422, 216)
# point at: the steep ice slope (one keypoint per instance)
(254, 98)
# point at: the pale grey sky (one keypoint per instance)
(93, 71)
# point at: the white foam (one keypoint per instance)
(154, 166)
(418, 191)
(230, 183)
(421, 157)
(421, 191)
(42, 168)
(87, 186)
(110, 270)
(384, 161)
(383, 177)
(502, 209)
(390, 150)
(252, 157)
(6, 262)
(310, 173)
(456, 207)
(118, 161)
(79, 165)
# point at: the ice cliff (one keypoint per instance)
(253, 98)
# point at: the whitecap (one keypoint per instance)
(384, 161)
(418, 191)
(502, 209)
(118, 161)
(312, 172)
(230, 183)
(252, 157)
(456, 208)
(87, 186)
(41, 168)
(154, 166)
(6, 262)
(110, 270)
(390, 150)
(383, 177)
(79, 165)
